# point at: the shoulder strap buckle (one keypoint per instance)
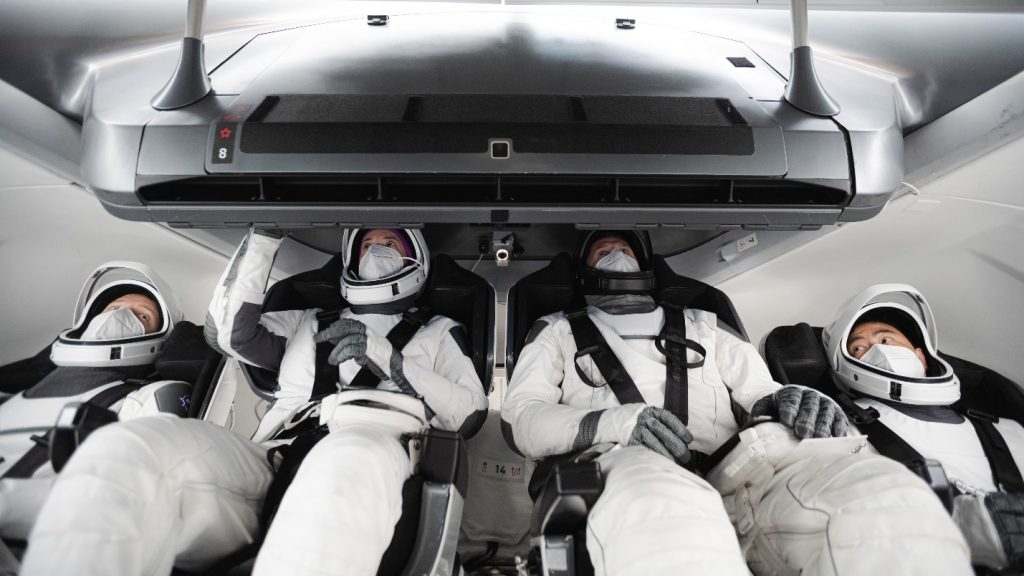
(328, 316)
(975, 413)
(575, 313)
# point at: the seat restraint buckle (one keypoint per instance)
(934, 474)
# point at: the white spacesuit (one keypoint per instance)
(123, 318)
(814, 506)
(185, 492)
(882, 347)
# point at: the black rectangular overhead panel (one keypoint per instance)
(467, 123)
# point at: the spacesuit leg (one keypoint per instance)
(834, 513)
(339, 514)
(655, 517)
(143, 495)
(21, 499)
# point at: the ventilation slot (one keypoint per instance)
(488, 190)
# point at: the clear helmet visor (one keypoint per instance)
(897, 296)
(903, 307)
(912, 302)
(113, 279)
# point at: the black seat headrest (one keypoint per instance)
(987, 390)
(468, 299)
(794, 355)
(319, 288)
(554, 288)
(548, 290)
(685, 291)
(185, 354)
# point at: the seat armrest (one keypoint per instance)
(443, 459)
(571, 489)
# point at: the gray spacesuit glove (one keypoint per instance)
(660, 430)
(808, 412)
(353, 340)
(993, 525)
(1007, 512)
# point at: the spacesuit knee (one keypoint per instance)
(655, 517)
(852, 514)
(163, 491)
(340, 511)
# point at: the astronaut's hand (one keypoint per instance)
(808, 412)
(354, 341)
(660, 430)
(1007, 512)
(993, 525)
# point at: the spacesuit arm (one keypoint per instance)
(164, 396)
(451, 387)
(534, 421)
(234, 322)
(742, 369)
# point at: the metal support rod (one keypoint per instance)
(190, 82)
(804, 90)
(194, 19)
(798, 14)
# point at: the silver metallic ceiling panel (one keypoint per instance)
(489, 118)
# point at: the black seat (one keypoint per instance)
(564, 489)
(796, 355)
(187, 357)
(432, 497)
(554, 288)
(451, 291)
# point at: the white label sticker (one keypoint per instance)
(497, 469)
(747, 242)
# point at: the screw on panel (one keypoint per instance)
(625, 23)
(377, 19)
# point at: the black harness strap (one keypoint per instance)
(325, 376)
(590, 342)
(887, 442)
(30, 461)
(674, 348)
(308, 432)
(325, 379)
(1005, 472)
(399, 336)
(892, 445)
(39, 454)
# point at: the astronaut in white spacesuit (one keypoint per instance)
(185, 493)
(123, 319)
(814, 506)
(882, 347)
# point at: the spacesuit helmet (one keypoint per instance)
(595, 281)
(891, 372)
(385, 276)
(99, 338)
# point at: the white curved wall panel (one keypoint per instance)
(961, 242)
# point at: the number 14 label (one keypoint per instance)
(509, 471)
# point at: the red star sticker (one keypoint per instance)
(225, 133)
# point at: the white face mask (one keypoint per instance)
(617, 261)
(114, 325)
(896, 359)
(379, 262)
